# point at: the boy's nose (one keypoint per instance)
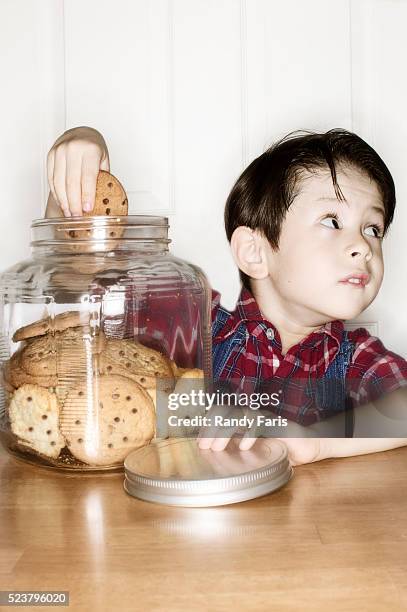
(361, 249)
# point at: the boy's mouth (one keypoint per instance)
(356, 279)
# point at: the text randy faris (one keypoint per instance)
(259, 420)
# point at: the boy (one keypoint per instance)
(305, 221)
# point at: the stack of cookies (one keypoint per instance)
(74, 393)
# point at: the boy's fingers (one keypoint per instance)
(89, 175)
(105, 164)
(73, 185)
(216, 444)
(249, 437)
(59, 181)
(50, 173)
(219, 444)
(205, 443)
(246, 443)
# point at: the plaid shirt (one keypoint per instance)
(250, 350)
(372, 370)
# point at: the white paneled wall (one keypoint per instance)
(31, 107)
(187, 93)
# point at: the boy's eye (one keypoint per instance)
(331, 221)
(375, 231)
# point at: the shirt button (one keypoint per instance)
(270, 333)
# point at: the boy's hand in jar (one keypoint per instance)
(73, 165)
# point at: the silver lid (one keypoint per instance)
(178, 473)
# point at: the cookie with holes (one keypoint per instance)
(103, 422)
(78, 337)
(34, 418)
(58, 323)
(110, 198)
(107, 366)
(132, 357)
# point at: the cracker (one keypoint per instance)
(110, 201)
(103, 422)
(111, 198)
(152, 391)
(138, 359)
(34, 419)
(109, 367)
(58, 323)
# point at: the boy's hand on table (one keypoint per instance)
(73, 165)
(209, 436)
(219, 444)
(301, 449)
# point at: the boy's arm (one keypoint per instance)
(347, 447)
(386, 417)
(73, 164)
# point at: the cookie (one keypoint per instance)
(66, 350)
(104, 421)
(38, 357)
(34, 419)
(76, 353)
(5, 378)
(15, 376)
(138, 359)
(79, 337)
(107, 366)
(110, 199)
(152, 391)
(58, 323)
(174, 368)
(191, 379)
(190, 373)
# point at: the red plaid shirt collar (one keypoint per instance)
(248, 310)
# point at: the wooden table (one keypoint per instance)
(335, 538)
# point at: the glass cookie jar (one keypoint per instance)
(96, 329)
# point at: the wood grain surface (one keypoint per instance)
(334, 538)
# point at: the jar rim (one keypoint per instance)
(99, 220)
(100, 233)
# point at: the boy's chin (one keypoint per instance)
(346, 313)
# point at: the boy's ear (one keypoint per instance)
(248, 250)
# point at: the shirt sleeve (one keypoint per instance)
(375, 371)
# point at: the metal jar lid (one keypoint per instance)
(177, 472)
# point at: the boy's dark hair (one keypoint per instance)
(266, 189)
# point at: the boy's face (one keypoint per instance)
(317, 251)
